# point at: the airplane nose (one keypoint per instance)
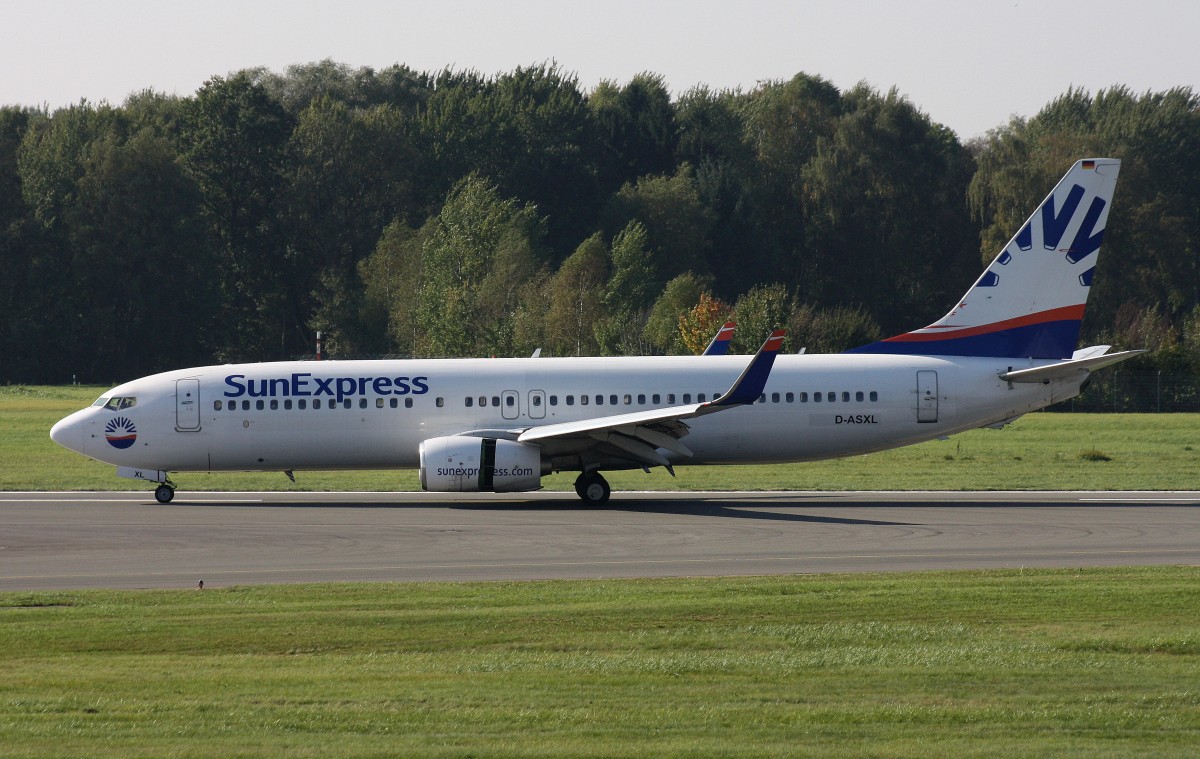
(68, 433)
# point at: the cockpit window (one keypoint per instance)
(101, 401)
(116, 404)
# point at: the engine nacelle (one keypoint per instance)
(461, 464)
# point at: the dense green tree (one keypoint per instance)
(575, 300)
(637, 129)
(236, 138)
(679, 297)
(757, 312)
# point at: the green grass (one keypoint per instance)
(1101, 662)
(1044, 451)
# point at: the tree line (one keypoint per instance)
(457, 214)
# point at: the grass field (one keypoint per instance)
(1096, 662)
(1042, 451)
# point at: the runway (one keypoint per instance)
(127, 540)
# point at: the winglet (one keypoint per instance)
(719, 345)
(753, 379)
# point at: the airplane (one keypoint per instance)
(1006, 348)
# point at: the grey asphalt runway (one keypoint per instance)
(127, 540)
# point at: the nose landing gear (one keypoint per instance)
(164, 493)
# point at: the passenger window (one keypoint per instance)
(774, 397)
(216, 405)
(859, 396)
(482, 401)
(274, 404)
(845, 396)
(670, 397)
(393, 402)
(700, 398)
(378, 403)
(301, 404)
(831, 397)
(762, 398)
(496, 401)
(874, 396)
(790, 397)
(599, 400)
(656, 399)
(316, 403)
(641, 399)
(440, 402)
(570, 400)
(554, 400)
(628, 399)
(804, 397)
(347, 403)
(287, 404)
(816, 397)
(687, 397)
(469, 401)
(612, 400)
(408, 403)
(258, 405)
(583, 400)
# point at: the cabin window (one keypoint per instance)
(790, 397)
(641, 399)
(804, 397)
(845, 396)
(394, 402)
(469, 401)
(762, 398)
(216, 405)
(583, 400)
(496, 401)
(509, 401)
(482, 401)
(301, 404)
(536, 401)
(258, 405)
(440, 402)
(554, 400)
(656, 399)
(700, 397)
(316, 403)
(874, 396)
(274, 404)
(816, 397)
(612, 400)
(349, 404)
(774, 397)
(408, 403)
(628, 399)
(687, 397)
(858, 396)
(570, 400)
(831, 397)
(378, 403)
(287, 404)
(670, 397)
(599, 400)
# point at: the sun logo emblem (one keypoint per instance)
(120, 432)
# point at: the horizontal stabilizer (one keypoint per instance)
(1067, 369)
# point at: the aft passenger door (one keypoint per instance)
(927, 396)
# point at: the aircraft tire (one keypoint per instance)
(164, 493)
(593, 489)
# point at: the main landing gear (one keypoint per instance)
(593, 488)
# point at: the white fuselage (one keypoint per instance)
(300, 415)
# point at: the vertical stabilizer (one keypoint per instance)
(1029, 302)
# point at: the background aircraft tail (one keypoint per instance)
(1029, 302)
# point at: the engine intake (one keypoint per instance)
(460, 464)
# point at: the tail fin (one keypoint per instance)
(1029, 302)
(719, 345)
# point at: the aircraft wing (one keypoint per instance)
(639, 434)
(1068, 369)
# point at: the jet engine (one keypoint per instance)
(462, 464)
